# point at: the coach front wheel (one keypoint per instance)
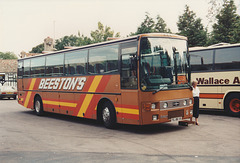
(108, 115)
(232, 104)
(38, 106)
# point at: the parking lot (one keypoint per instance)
(25, 137)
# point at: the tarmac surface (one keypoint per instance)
(25, 137)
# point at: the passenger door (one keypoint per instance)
(129, 85)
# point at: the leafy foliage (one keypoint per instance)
(149, 26)
(72, 40)
(101, 34)
(161, 26)
(227, 27)
(8, 55)
(213, 9)
(38, 49)
(66, 41)
(191, 27)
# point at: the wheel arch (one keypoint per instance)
(99, 107)
(227, 94)
(35, 96)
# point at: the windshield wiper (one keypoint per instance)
(158, 90)
(164, 86)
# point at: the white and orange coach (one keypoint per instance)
(217, 70)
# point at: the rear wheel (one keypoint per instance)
(232, 104)
(108, 115)
(38, 106)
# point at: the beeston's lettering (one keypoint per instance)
(62, 83)
(213, 80)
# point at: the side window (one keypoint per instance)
(20, 69)
(228, 58)
(26, 69)
(54, 65)
(201, 60)
(38, 67)
(76, 62)
(128, 65)
(103, 60)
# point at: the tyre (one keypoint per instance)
(232, 104)
(38, 106)
(15, 97)
(108, 115)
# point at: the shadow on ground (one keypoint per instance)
(145, 129)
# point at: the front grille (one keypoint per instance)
(177, 103)
(176, 113)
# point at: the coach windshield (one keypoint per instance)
(163, 63)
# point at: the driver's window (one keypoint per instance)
(128, 67)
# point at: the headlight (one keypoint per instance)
(187, 112)
(184, 102)
(165, 105)
(190, 101)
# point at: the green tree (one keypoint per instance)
(101, 34)
(191, 27)
(227, 27)
(8, 55)
(38, 49)
(236, 31)
(161, 26)
(213, 9)
(66, 41)
(83, 40)
(149, 26)
(72, 40)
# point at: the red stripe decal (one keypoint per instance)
(212, 95)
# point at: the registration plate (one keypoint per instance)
(176, 119)
(9, 93)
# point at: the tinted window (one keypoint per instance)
(54, 65)
(201, 60)
(228, 58)
(37, 66)
(20, 69)
(128, 70)
(75, 63)
(103, 60)
(26, 64)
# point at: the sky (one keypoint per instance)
(24, 24)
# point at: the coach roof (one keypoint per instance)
(163, 35)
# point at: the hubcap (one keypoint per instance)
(37, 106)
(106, 114)
(235, 105)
